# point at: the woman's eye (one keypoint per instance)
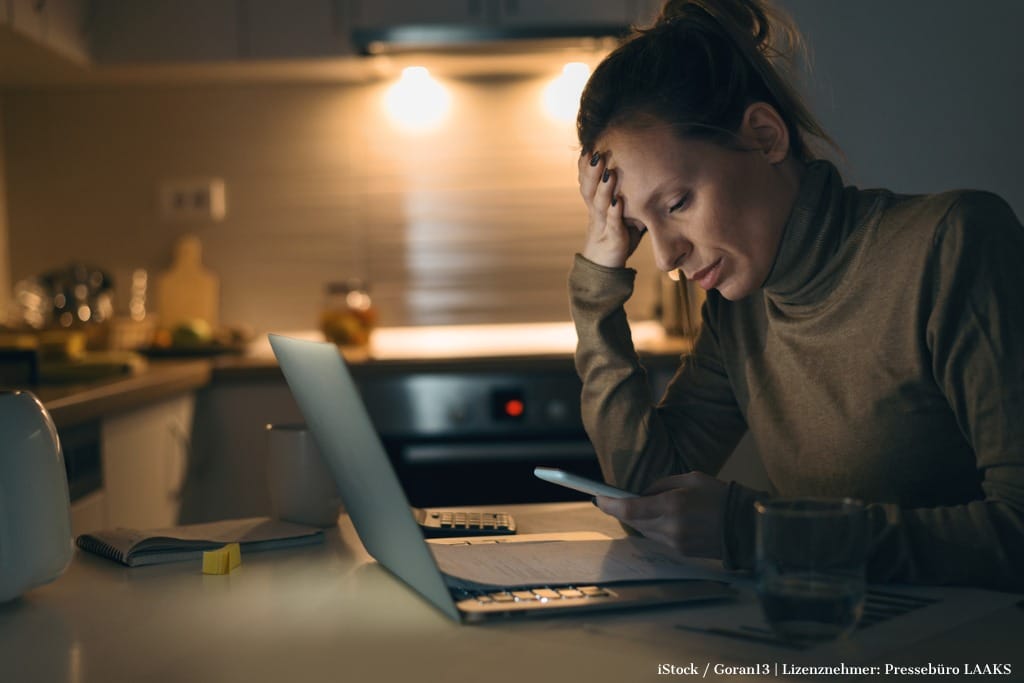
(678, 205)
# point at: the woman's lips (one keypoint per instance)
(708, 277)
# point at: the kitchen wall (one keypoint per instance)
(474, 221)
(921, 96)
(477, 220)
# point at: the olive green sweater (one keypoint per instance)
(883, 359)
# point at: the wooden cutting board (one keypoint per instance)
(187, 290)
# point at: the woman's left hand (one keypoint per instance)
(683, 511)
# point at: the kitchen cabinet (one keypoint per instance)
(504, 13)
(301, 28)
(198, 31)
(143, 31)
(387, 13)
(528, 13)
(145, 455)
(126, 443)
(65, 28)
(164, 30)
(28, 18)
(55, 24)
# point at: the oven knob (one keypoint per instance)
(556, 411)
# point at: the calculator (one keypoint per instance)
(445, 523)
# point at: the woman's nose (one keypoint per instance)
(669, 250)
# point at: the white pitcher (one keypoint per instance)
(35, 512)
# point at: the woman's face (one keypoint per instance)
(714, 213)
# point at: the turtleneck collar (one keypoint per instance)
(805, 265)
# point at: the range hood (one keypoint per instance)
(476, 38)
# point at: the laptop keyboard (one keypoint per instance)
(479, 520)
(476, 605)
(542, 595)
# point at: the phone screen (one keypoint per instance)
(578, 483)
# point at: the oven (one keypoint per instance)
(461, 436)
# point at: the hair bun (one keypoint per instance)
(698, 69)
(748, 18)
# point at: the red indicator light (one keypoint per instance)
(514, 407)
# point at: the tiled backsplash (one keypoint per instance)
(476, 221)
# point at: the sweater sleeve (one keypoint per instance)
(696, 425)
(975, 334)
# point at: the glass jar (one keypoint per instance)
(348, 315)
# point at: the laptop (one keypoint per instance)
(329, 400)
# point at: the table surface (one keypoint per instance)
(330, 613)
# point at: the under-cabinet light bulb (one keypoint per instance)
(417, 101)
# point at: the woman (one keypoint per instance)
(872, 343)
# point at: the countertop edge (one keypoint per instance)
(77, 404)
(236, 368)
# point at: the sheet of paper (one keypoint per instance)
(736, 631)
(566, 562)
(523, 538)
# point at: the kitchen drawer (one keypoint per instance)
(145, 463)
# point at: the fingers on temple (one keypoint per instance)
(591, 171)
(605, 189)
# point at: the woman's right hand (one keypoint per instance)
(610, 242)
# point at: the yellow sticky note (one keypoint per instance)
(216, 562)
(234, 556)
(222, 560)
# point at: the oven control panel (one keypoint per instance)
(457, 404)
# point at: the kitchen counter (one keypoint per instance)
(509, 348)
(506, 347)
(73, 404)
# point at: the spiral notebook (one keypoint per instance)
(134, 547)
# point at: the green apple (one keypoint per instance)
(195, 332)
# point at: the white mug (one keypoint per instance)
(35, 513)
(302, 488)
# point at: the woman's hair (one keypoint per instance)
(698, 68)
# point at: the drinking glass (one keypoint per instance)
(810, 562)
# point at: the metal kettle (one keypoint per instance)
(35, 512)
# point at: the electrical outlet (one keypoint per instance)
(193, 199)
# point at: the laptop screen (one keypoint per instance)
(336, 416)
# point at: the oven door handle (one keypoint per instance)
(436, 453)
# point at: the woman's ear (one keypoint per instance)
(766, 131)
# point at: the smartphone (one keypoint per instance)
(578, 483)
